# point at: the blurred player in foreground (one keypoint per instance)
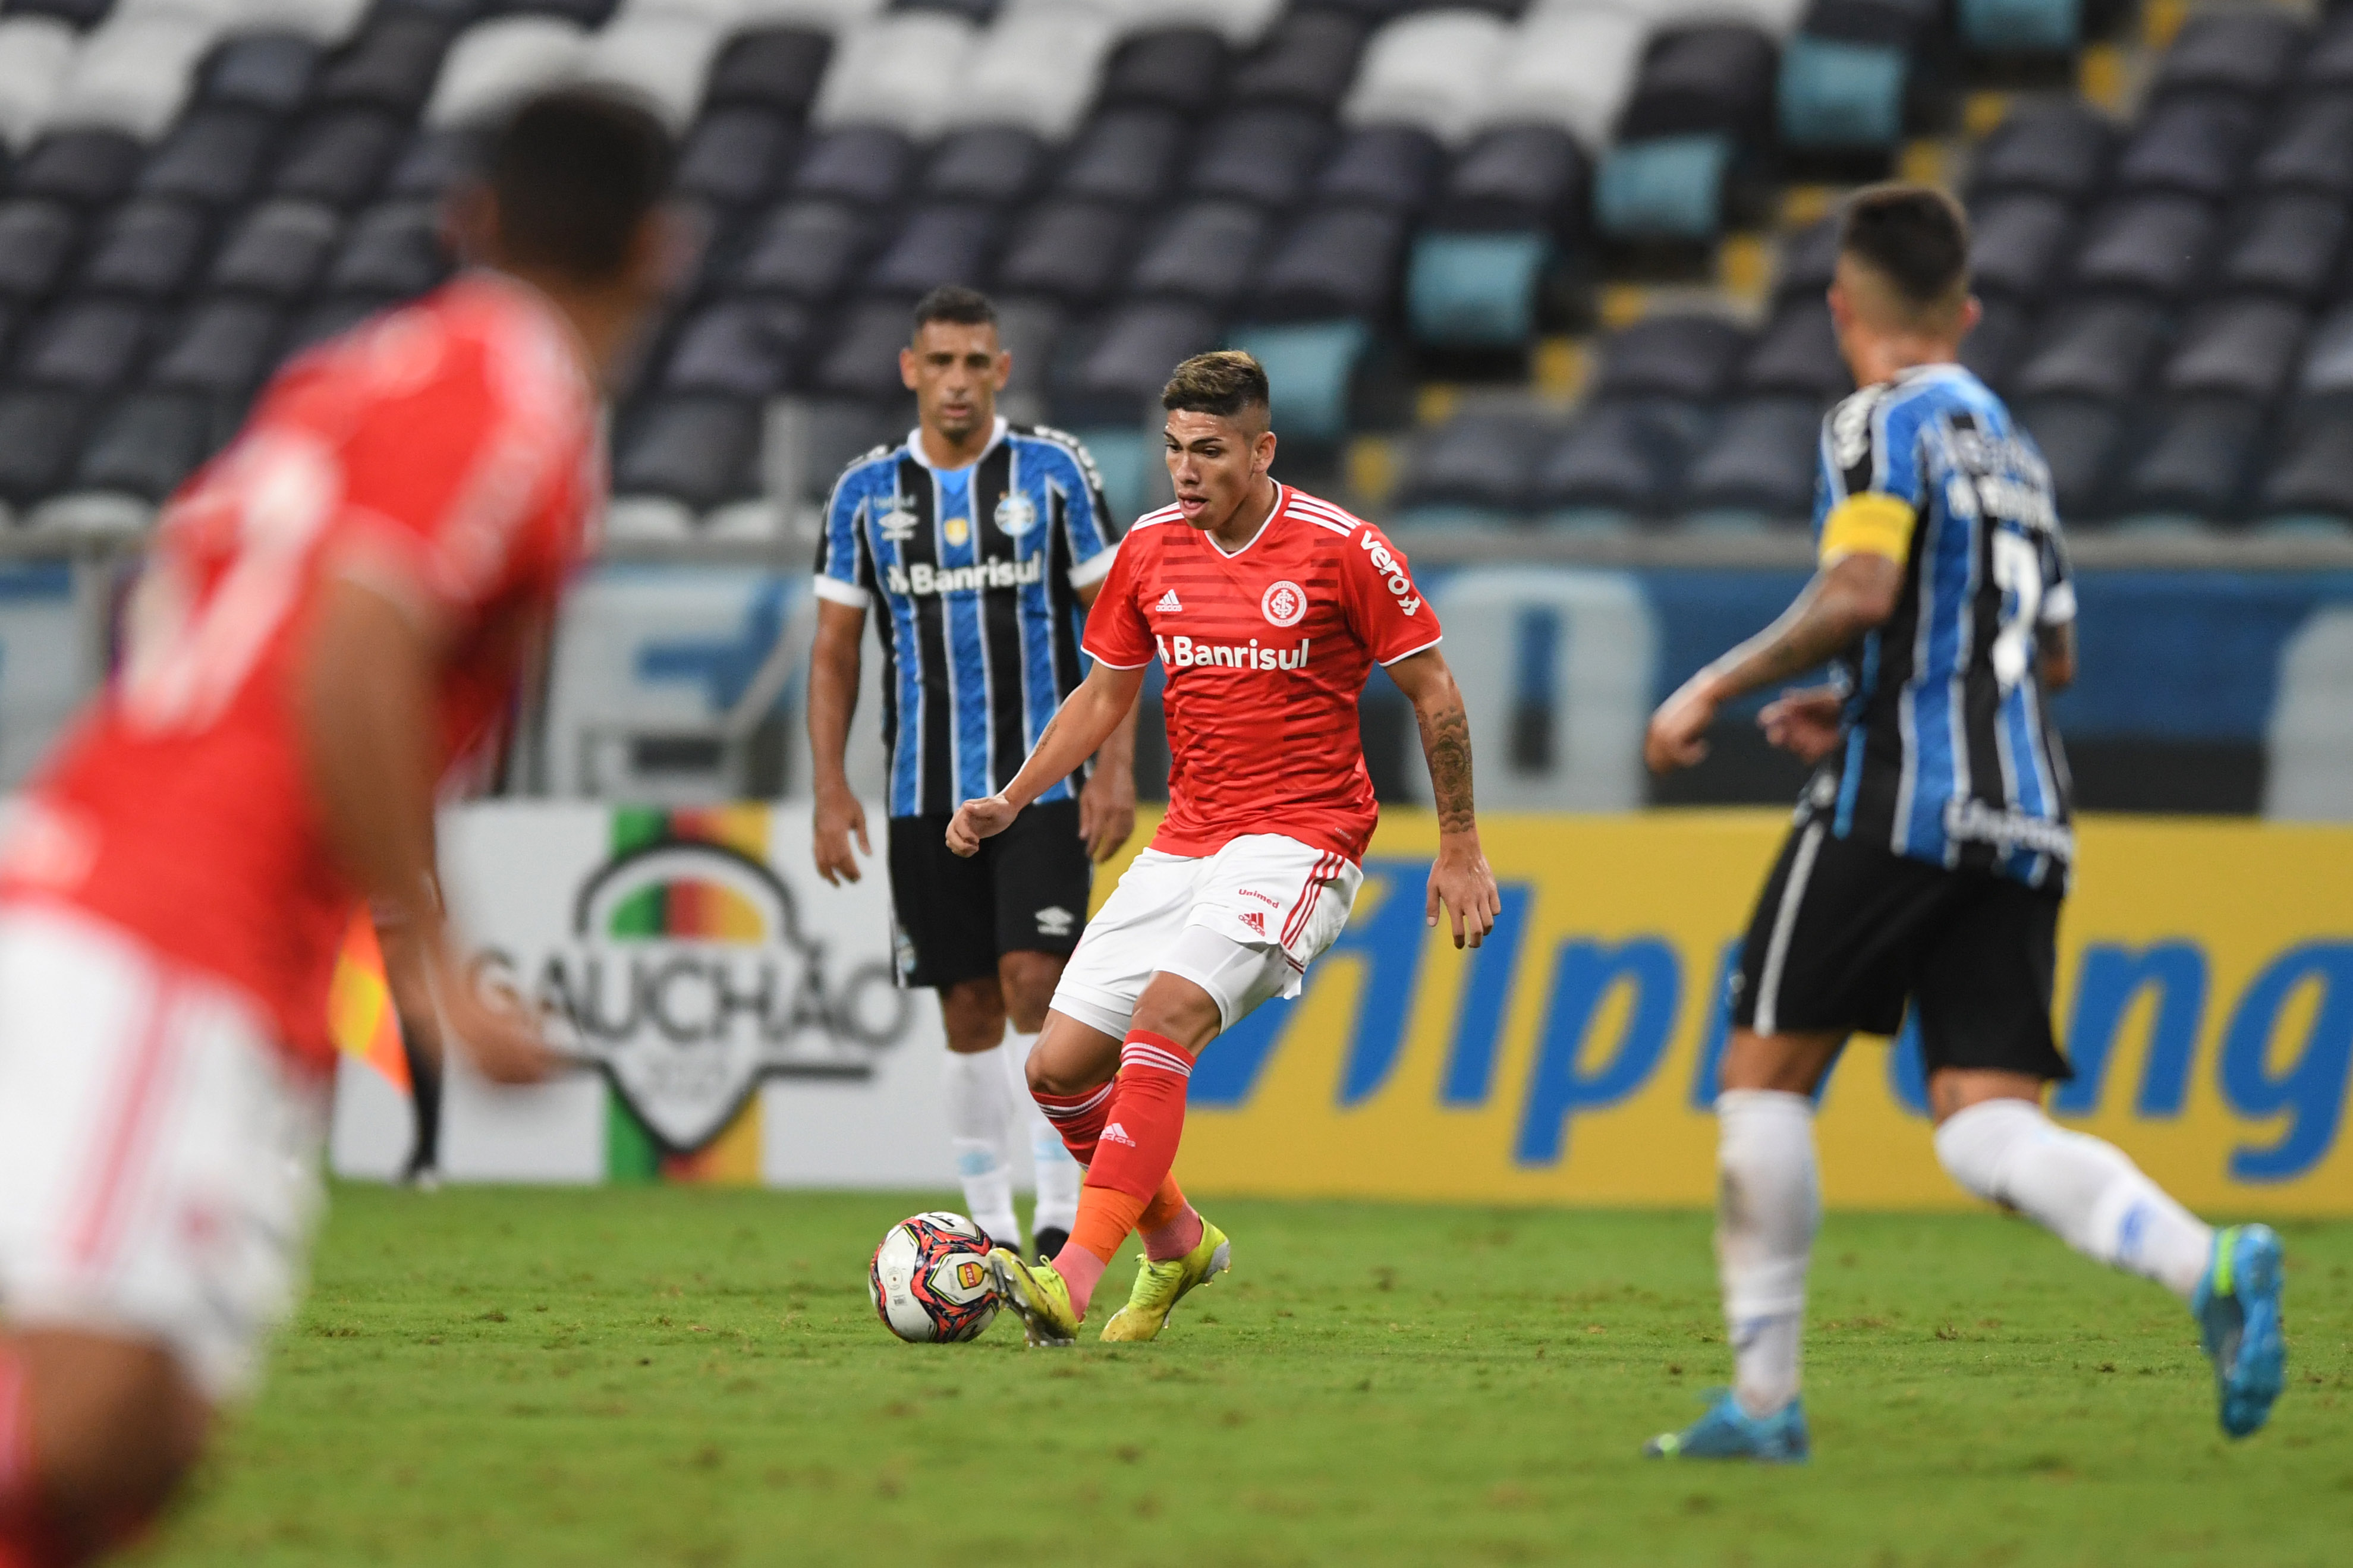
(979, 543)
(336, 613)
(1268, 608)
(1931, 849)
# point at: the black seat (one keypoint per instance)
(2061, 148)
(278, 251)
(2328, 64)
(1715, 77)
(2310, 473)
(2091, 349)
(87, 346)
(868, 164)
(2019, 244)
(2156, 245)
(950, 242)
(2288, 245)
(1518, 177)
(735, 155)
(1809, 261)
(1126, 156)
(1341, 261)
(224, 346)
(1072, 252)
(85, 168)
(212, 158)
(268, 71)
(2193, 457)
(146, 445)
(392, 249)
(433, 162)
(1262, 155)
(2243, 348)
(2328, 358)
(2252, 52)
(1623, 454)
(2198, 146)
(1691, 357)
(328, 319)
(775, 67)
(37, 239)
(992, 165)
(340, 158)
(1207, 252)
(1395, 166)
(1308, 58)
(1761, 458)
(1483, 461)
(742, 348)
(390, 66)
(700, 451)
(2312, 149)
(808, 250)
(40, 432)
(863, 360)
(1993, 349)
(2078, 438)
(1798, 355)
(1181, 69)
(79, 14)
(149, 249)
(1120, 372)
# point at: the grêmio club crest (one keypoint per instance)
(686, 980)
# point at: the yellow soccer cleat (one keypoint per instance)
(1038, 1296)
(1160, 1286)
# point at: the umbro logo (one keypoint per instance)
(1115, 1133)
(1168, 605)
(1054, 921)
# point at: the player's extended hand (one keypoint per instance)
(1804, 724)
(1676, 736)
(840, 816)
(503, 1042)
(1460, 878)
(1107, 812)
(978, 819)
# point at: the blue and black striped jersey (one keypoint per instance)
(1949, 753)
(976, 570)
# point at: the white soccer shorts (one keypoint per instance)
(158, 1159)
(1282, 900)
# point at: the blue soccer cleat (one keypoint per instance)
(1728, 1432)
(2238, 1308)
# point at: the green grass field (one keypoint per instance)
(692, 1376)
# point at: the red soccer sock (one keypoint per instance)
(1147, 1117)
(1078, 1118)
(1169, 1226)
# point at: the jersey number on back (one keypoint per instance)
(2018, 572)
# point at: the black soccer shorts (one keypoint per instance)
(1025, 892)
(1846, 931)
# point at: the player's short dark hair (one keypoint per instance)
(1915, 237)
(1223, 382)
(954, 302)
(574, 171)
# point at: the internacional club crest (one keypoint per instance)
(1283, 604)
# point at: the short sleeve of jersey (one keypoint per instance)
(1117, 633)
(1384, 604)
(1087, 528)
(844, 569)
(2058, 582)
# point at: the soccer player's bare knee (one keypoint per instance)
(973, 1011)
(1071, 1057)
(116, 1423)
(1789, 1063)
(1026, 982)
(1178, 1009)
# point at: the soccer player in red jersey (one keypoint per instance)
(335, 616)
(1268, 608)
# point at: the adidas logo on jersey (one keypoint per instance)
(1115, 1133)
(1168, 605)
(1180, 653)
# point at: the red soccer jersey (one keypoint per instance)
(445, 453)
(1266, 651)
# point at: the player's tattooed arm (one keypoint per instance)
(1446, 743)
(1460, 877)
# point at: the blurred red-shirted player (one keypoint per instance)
(1268, 608)
(336, 613)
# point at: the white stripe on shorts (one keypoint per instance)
(1785, 920)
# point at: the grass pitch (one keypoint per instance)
(692, 1376)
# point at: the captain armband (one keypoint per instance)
(1870, 523)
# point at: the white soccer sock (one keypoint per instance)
(980, 1115)
(1059, 1175)
(2086, 1192)
(1769, 1206)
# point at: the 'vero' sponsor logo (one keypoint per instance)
(1183, 653)
(920, 578)
(1399, 583)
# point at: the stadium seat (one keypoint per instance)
(950, 242)
(740, 348)
(1125, 156)
(1689, 357)
(268, 71)
(902, 70)
(1715, 77)
(1796, 355)
(773, 67)
(2095, 349)
(1241, 23)
(1518, 177)
(1392, 167)
(78, 15)
(328, 319)
(2020, 27)
(863, 360)
(1339, 261)
(1475, 290)
(1572, 68)
(1429, 69)
(147, 444)
(494, 63)
(1120, 372)
(277, 251)
(735, 156)
(339, 159)
(86, 345)
(1206, 252)
(1308, 58)
(2288, 245)
(1037, 69)
(40, 432)
(2019, 244)
(2192, 460)
(806, 250)
(148, 248)
(2313, 149)
(1031, 330)
(2196, 146)
(223, 346)
(393, 250)
(35, 53)
(1071, 252)
(1669, 187)
(37, 239)
(211, 158)
(2154, 245)
(1623, 456)
(588, 16)
(2327, 369)
(1477, 467)
(1808, 259)
(85, 168)
(1759, 461)
(2310, 473)
(664, 58)
(432, 162)
(1841, 94)
(1183, 69)
(2078, 439)
(2327, 66)
(698, 451)
(866, 165)
(391, 65)
(133, 74)
(2062, 148)
(994, 164)
(2252, 51)
(1309, 368)
(1262, 155)
(1993, 350)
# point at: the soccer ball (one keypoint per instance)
(930, 1280)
